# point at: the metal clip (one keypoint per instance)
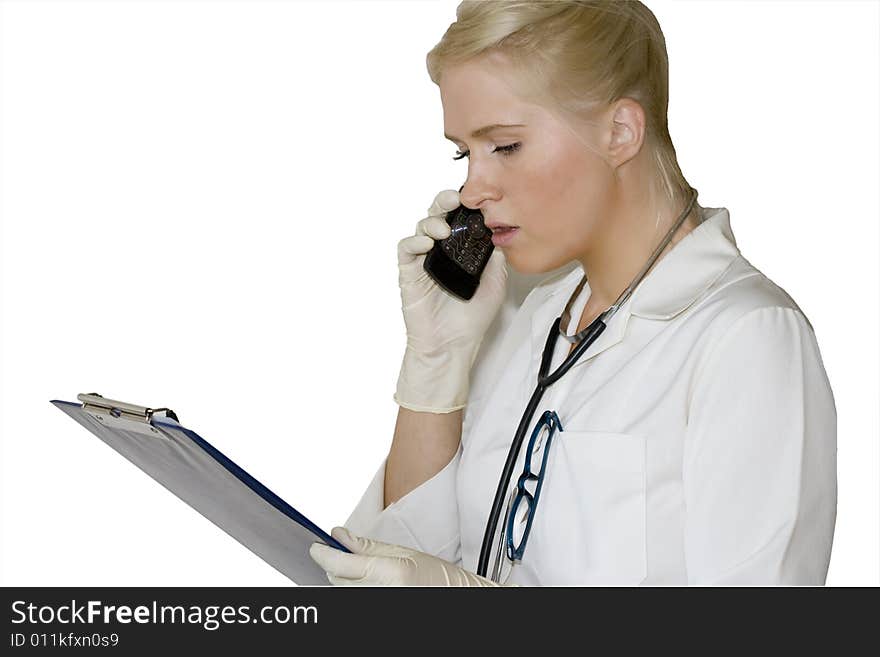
(95, 403)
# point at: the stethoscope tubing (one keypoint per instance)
(587, 338)
(544, 382)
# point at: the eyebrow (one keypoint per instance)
(479, 132)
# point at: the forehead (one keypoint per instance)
(478, 93)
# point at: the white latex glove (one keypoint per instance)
(381, 564)
(443, 332)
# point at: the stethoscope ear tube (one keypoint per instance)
(593, 332)
(547, 354)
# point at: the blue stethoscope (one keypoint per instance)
(583, 339)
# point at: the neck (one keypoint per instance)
(626, 241)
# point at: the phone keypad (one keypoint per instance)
(470, 242)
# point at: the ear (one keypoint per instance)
(627, 130)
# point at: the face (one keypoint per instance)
(545, 176)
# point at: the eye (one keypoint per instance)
(505, 150)
(508, 150)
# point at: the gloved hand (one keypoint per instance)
(381, 564)
(443, 333)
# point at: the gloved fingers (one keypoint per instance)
(383, 572)
(445, 201)
(410, 248)
(367, 546)
(344, 581)
(434, 227)
(338, 563)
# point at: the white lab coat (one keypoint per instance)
(698, 442)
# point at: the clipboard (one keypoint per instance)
(210, 482)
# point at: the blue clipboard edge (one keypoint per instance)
(242, 475)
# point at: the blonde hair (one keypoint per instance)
(577, 57)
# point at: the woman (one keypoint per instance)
(694, 442)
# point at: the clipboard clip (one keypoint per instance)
(96, 404)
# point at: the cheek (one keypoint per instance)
(567, 193)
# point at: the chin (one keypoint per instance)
(533, 265)
(522, 266)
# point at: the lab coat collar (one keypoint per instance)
(687, 270)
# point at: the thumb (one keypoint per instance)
(348, 539)
(367, 546)
(498, 261)
(493, 281)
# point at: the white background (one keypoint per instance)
(201, 203)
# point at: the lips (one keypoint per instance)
(497, 227)
(502, 236)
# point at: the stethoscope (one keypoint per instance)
(583, 339)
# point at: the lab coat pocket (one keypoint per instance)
(593, 510)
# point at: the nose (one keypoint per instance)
(474, 197)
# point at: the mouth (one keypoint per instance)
(502, 235)
(500, 228)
